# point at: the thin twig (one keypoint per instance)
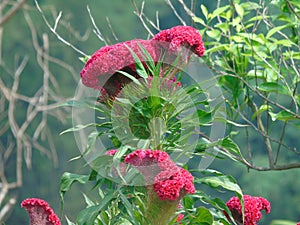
(55, 33)
(96, 29)
(11, 12)
(111, 29)
(175, 12)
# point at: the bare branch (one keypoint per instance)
(56, 34)
(111, 29)
(175, 12)
(11, 12)
(139, 14)
(96, 29)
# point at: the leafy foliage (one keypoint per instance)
(253, 48)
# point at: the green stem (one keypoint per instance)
(159, 212)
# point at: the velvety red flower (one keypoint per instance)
(40, 212)
(298, 223)
(149, 157)
(182, 36)
(149, 162)
(252, 206)
(171, 185)
(170, 181)
(100, 71)
(179, 217)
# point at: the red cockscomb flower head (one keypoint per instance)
(170, 185)
(182, 36)
(252, 206)
(179, 217)
(40, 212)
(149, 162)
(100, 71)
(149, 157)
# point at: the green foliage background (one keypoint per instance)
(281, 188)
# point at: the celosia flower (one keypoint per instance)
(182, 36)
(170, 181)
(148, 157)
(179, 217)
(170, 185)
(40, 212)
(101, 69)
(149, 162)
(252, 209)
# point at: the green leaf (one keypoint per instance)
(225, 181)
(215, 202)
(199, 20)
(102, 164)
(203, 216)
(282, 222)
(275, 30)
(232, 147)
(84, 59)
(239, 9)
(78, 103)
(69, 222)
(215, 34)
(89, 215)
(147, 58)
(261, 109)
(204, 117)
(285, 42)
(136, 81)
(140, 69)
(216, 48)
(68, 179)
(273, 87)
(218, 11)
(291, 54)
(282, 115)
(204, 11)
(256, 18)
(77, 128)
(91, 141)
(123, 221)
(223, 27)
(250, 5)
(129, 207)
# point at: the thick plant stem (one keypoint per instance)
(159, 212)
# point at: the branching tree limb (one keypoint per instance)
(25, 129)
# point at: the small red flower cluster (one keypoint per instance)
(182, 36)
(252, 206)
(169, 185)
(101, 70)
(179, 217)
(109, 59)
(40, 212)
(170, 181)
